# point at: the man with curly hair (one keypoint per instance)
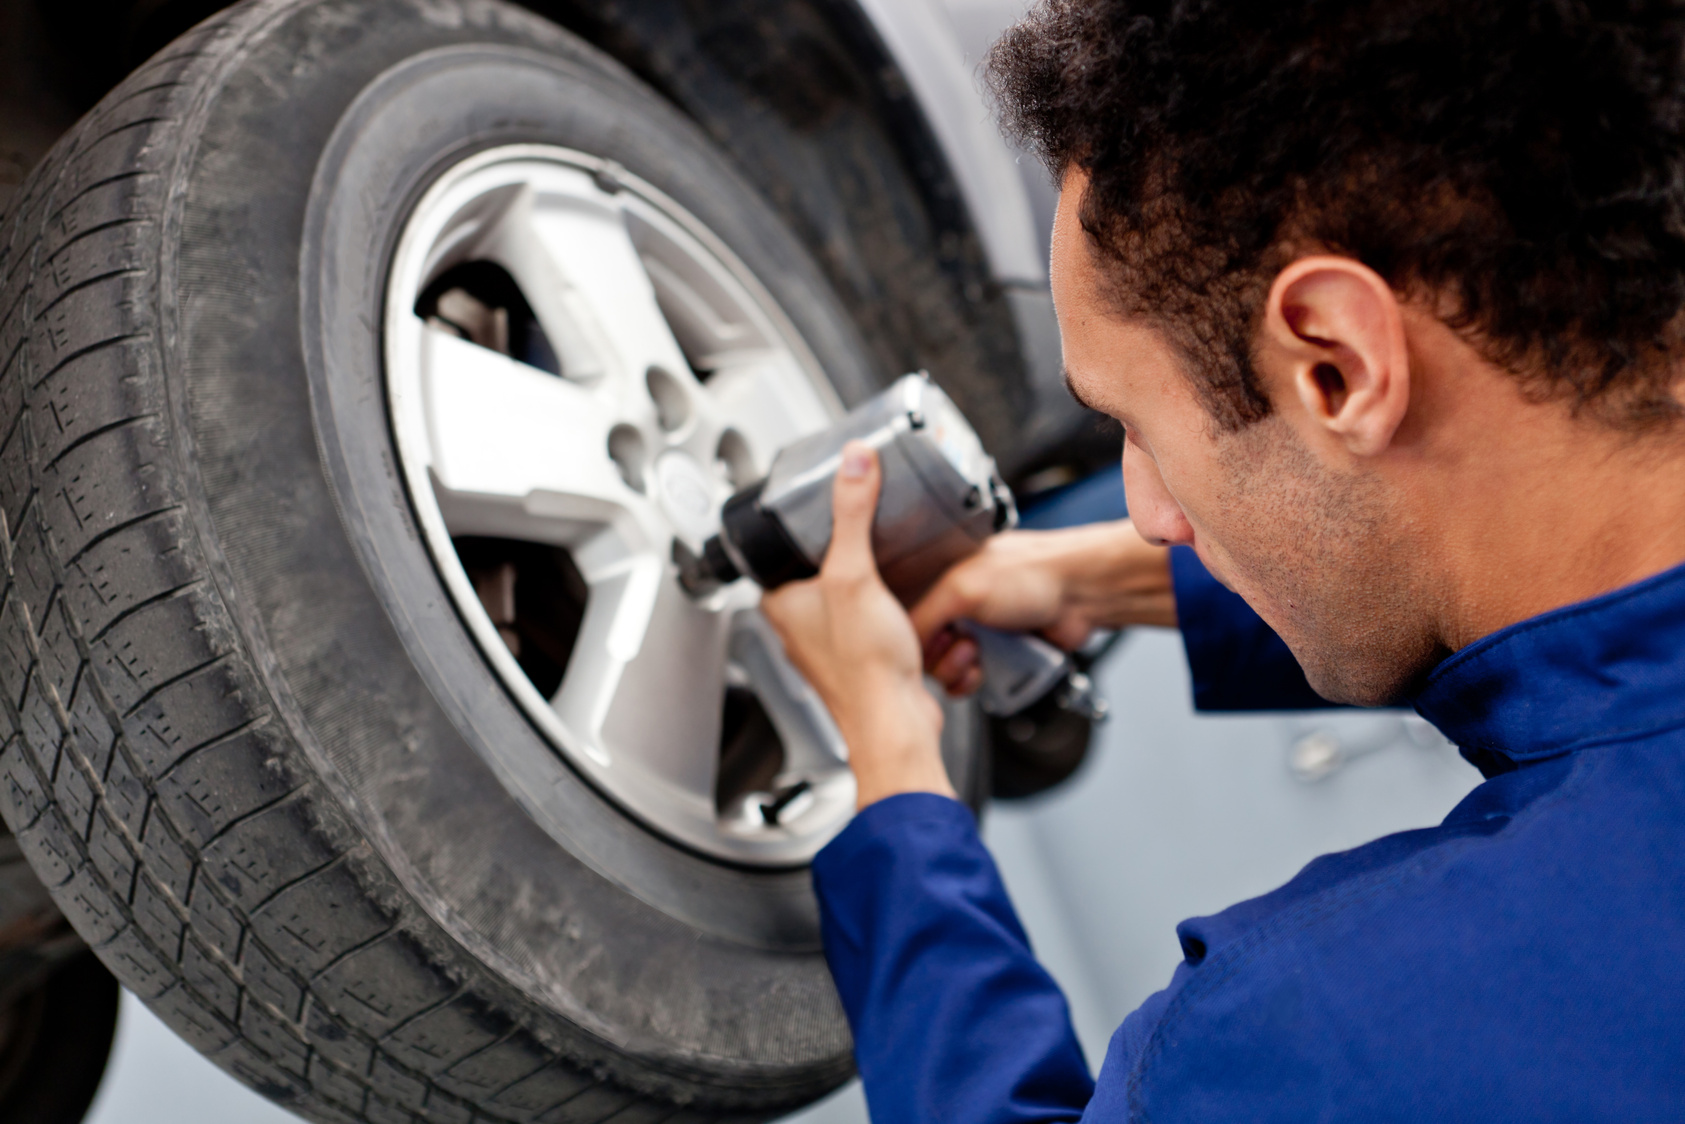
(1389, 297)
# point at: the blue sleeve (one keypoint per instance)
(1237, 661)
(953, 1018)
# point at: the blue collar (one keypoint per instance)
(1604, 670)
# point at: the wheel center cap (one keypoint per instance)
(686, 493)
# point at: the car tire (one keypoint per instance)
(262, 765)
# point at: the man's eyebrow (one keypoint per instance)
(1074, 392)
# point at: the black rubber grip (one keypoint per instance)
(762, 542)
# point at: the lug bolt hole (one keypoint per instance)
(627, 449)
(735, 458)
(672, 402)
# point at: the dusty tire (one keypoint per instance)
(248, 736)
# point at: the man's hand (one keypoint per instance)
(853, 641)
(1063, 584)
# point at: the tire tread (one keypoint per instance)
(136, 883)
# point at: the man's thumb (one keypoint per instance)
(854, 501)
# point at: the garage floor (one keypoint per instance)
(1174, 816)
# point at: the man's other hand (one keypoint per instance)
(853, 641)
(1063, 584)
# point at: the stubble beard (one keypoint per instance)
(1326, 560)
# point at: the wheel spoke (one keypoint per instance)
(512, 445)
(697, 297)
(812, 743)
(769, 406)
(566, 244)
(652, 693)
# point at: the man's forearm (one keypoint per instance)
(1114, 577)
(1062, 583)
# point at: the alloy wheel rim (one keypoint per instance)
(578, 372)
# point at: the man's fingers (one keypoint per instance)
(1069, 633)
(774, 607)
(947, 602)
(951, 670)
(937, 646)
(787, 609)
(854, 501)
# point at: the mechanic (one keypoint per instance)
(1389, 298)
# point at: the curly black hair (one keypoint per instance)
(1519, 162)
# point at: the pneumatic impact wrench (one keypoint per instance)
(942, 497)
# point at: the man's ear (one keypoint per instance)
(1334, 331)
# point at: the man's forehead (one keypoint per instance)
(1110, 359)
(1113, 362)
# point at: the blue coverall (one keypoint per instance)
(1522, 961)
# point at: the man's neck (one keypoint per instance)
(1548, 510)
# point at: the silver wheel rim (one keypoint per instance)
(659, 375)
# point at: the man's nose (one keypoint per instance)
(1157, 515)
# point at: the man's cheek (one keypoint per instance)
(1241, 554)
(1207, 546)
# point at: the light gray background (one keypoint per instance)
(1174, 816)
